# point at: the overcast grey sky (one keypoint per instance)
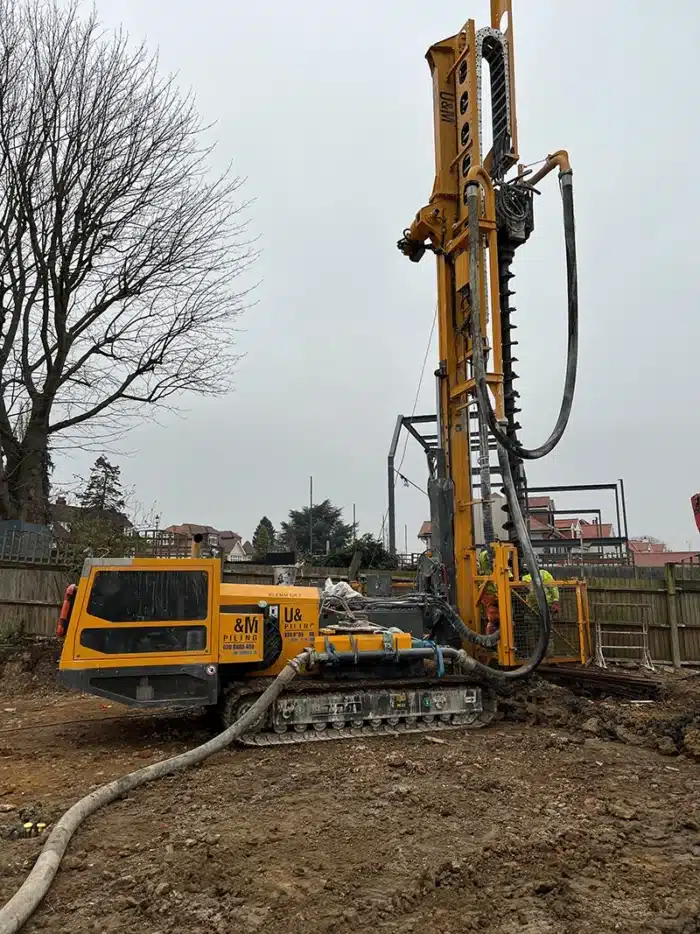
(325, 107)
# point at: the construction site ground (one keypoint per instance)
(571, 815)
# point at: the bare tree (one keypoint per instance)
(119, 251)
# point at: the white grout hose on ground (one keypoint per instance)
(25, 901)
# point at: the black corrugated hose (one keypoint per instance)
(488, 416)
(566, 184)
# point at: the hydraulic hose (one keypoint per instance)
(27, 898)
(486, 415)
(566, 185)
(462, 630)
(420, 601)
(467, 663)
(533, 565)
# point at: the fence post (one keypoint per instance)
(672, 607)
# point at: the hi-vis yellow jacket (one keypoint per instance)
(550, 588)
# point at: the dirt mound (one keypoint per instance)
(671, 727)
(29, 666)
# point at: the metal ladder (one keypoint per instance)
(639, 636)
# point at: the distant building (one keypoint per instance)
(567, 540)
(425, 534)
(542, 507)
(63, 516)
(647, 554)
(640, 546)
(215, 542)
(498, 502)
(570, 537)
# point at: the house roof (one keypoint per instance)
(228, 539)
(655, 559)
(581, 528)
(638, 545)
(248, 548)
(562, 528)
(231, 546)
(593, 530)
(543, 528)
(539, 502)
(565, 523)
(192, 528)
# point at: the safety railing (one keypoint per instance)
(570, 640)
(43, 549)
(36, 548)
(157, 543)
(688, 569)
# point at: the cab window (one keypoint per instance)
(138, 640)
(128, 596)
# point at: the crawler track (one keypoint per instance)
(473, 722)
(244, 695)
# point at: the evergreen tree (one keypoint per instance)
(271, 530)
(374, 555)
(100, 528)
(261, 542)
(329, 530)
(102, 491)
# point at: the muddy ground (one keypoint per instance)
(572, 815)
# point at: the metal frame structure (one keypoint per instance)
(619, 541)
(434, 456)
(431, 452)
(506, 572)
(618, 488)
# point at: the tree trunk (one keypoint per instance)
(27, 479)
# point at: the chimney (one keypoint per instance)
(61, 501)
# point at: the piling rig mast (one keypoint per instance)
(475, 221)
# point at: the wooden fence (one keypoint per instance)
(670, 608)
(669, 605)
(30, 599)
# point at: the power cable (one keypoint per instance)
(420, 384)
(413, 412)
(408, 482)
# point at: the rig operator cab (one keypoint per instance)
(166, 630)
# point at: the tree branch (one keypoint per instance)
(120, 252)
